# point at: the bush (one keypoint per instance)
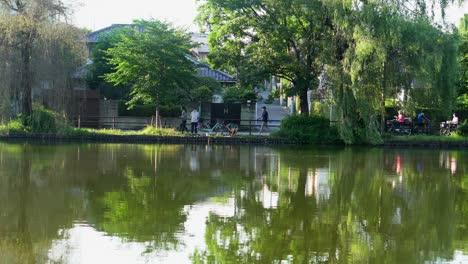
(45, 121)
(463, 129)
(238, 95)
(17, 126)
(153, 131)
(308, 129)
(148, 110)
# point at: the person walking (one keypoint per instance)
(183, 119)
(264, 117)
(194, 116)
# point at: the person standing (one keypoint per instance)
(194, 116)
(264, 117)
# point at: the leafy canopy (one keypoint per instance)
(153, 58)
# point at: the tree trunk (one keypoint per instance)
(156, 122)
(26, 78)
(304, 104)
(382, 99)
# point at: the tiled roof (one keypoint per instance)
(219, 76)
(205, 71)
(93, 37)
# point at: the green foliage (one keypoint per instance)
(14, 126)
(154, 62)
(36, 49)
(238, 95)
(101, 66)
(463, 129)
(44, 121)
(282, 38)
(309, 130)
(202, 94)
(462, 100)
(147, 110)
(153, 131)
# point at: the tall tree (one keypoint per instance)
(463, 60)
(283, 38)
(153, 58)
(24, 21)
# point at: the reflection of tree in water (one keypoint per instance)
(365, 219)
(33, 207)
(148, 203)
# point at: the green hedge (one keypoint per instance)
(148, 110)
(309, 130)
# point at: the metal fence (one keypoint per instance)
(136, 123)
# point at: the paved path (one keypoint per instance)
(275, 111)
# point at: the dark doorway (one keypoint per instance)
(229, 113)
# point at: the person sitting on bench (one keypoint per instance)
(232, 128)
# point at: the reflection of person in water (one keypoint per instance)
(398, 165)
(453, 165)
(194, 163)
(419, 166)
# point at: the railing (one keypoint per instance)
(109, 121)
(133, 123)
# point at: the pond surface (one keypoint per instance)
(123, 203)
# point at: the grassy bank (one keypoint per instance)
(9, 129)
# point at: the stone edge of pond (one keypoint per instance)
(261, 140)
(425, 144)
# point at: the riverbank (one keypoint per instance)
(392, 142)
(427, 141)
(153, 139)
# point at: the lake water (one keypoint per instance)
(124, 203)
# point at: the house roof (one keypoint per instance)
(222, 77)
(93, 37)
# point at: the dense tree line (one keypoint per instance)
(368, 51)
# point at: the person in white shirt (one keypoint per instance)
(454, 120)
(194, 120)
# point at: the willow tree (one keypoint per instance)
(283, 38)
(33, 35)
(380, 49)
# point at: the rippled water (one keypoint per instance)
(122, 203)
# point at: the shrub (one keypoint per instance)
(463, 129)
(17, 126)
(153, 131)
(46, 121)
(308, 129)
(148, 110)
(238, 95)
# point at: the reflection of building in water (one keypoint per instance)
(318, 184)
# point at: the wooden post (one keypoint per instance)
(79, 121)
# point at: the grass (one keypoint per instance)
(17, 127)
(147, 131)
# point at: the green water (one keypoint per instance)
(122, 203)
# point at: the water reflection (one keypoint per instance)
(119, 203)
